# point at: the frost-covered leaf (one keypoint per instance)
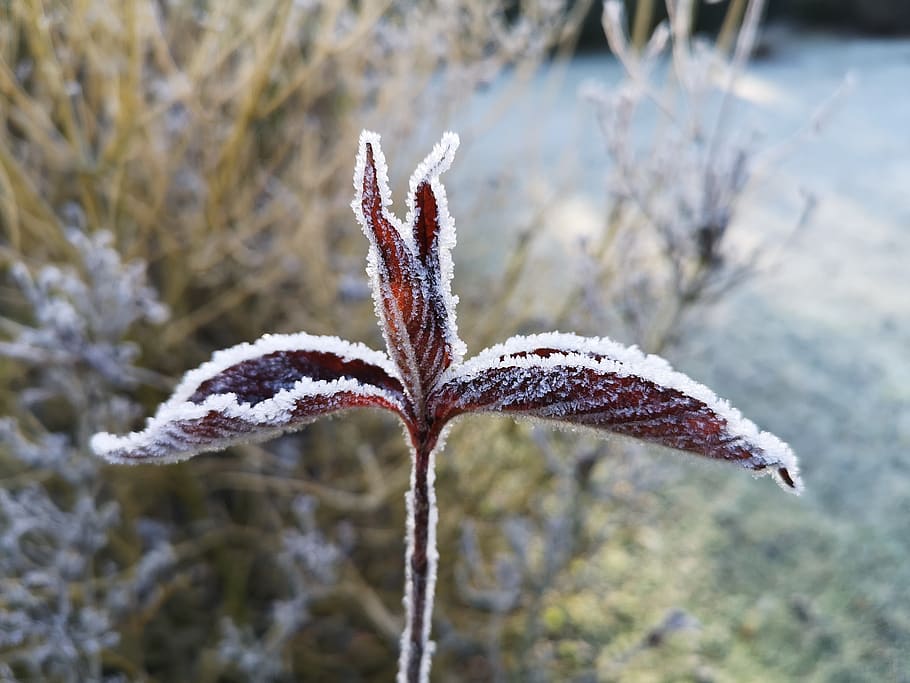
(254, 392)
(410, 263)
(598, 383)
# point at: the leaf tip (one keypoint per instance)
(109, 447)
(789, 480)
(450, 142)
(369, 137)
(369, 154)
(437, 162)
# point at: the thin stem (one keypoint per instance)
(644, 19)
(420, 567)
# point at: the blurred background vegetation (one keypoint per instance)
(175, 178)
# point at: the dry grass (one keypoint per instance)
(215, 140)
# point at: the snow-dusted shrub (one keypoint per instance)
(62, 597)
(680, 166)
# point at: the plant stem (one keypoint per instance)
(644, 18)
(420, 567)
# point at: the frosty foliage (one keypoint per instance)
(308, 554)
(310, 562)
(80, 317)
(53, 624)
(45, 550)
(242, 651)
(410, 263)
(48, 451)
(254, 392)
(271, 344)
(560, 376)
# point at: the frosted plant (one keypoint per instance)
(310, 560)
(44, 550)
(82, 320)
(240, 650)
(49, 451)
(281, 382)
(75, 341)
(682, 160)
(58, 616)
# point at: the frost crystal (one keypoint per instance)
(256, 391)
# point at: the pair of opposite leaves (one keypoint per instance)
(253, 392)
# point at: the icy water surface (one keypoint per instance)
(815, 349)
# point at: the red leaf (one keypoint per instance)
(411, 292)
(599, 384)
(254, 392)
(258, 379)
(426, 227)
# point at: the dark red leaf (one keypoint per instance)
(409, 289)
(254, 392)
(631, 394)
(260, 378)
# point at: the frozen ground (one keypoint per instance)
(816, 349)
